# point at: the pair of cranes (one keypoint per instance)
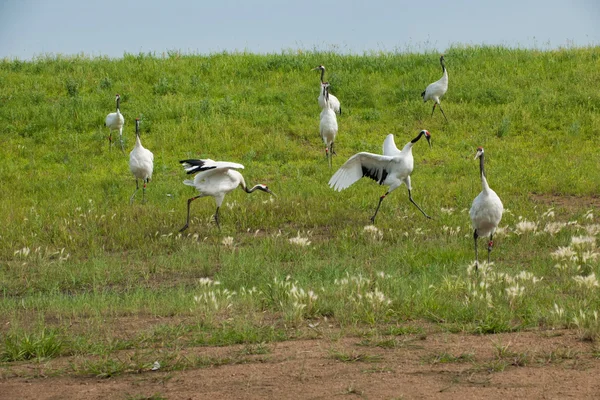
(393, 168)
(141, 160)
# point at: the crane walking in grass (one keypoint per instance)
(215, 179)
(393, 168)
(437, 89)
(141, 163)
(486, 211)
(328, 126)
(334, 103)
(114, 122)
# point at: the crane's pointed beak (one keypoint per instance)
(271, 193)
(479, 152)
(429, 141)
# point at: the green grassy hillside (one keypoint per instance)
(72, 248)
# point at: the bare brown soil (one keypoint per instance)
(526, 365)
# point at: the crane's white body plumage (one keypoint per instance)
(141, 162)
(328, 127)
(215, 179)
(218, 179)
(392, 169)
(486, 210)
(334, 103)
(115, 122)
(436, 90)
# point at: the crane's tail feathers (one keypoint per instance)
(188, 182)
(192, 166)
(423, 94)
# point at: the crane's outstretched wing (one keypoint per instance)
(362, 164)
(389, 146)
(193, 166)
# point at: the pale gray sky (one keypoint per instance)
(36, 27)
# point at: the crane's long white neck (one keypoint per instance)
(484, 183)
(444, 70)
(408, 148)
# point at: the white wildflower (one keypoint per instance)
(208, 282)
(300, 241)
(525, 226)
(501, 231)
(554, 227)
(589, 281)
(376, 234)
(514, 291)
(564, 253)
(227, 241)
(589, 215)
(447, 210)
(549, 213)
(583, 241)
(559, 311)
(24, 252)
(592, 229)
(588, 255)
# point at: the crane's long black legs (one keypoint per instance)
(378, 205)
(433, 109)
(187, 222)
(442, 110)
(143, 191)
(110, 140)
(328, 155)
(412, 201)
(136, 189)
(490, 245)
(217, 218)
(476, 256)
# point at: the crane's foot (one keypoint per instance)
(184, 228)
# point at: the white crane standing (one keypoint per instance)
(486, 211)
(215, 179)
(328, 126)
(114, 122)
(437, 89)
(141, 163)
(393, 168)
(334, 103)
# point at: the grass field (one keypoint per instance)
(81, 269)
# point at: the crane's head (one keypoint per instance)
(137, 126)
(479, 152)
(117, 97)
(427, 136)
(264, 188)
(321, 67)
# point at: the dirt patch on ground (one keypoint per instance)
(568, 203)
(541, 364)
